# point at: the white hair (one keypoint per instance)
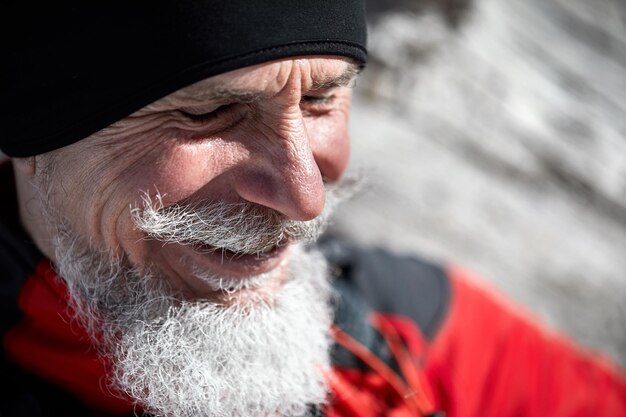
(240, 227)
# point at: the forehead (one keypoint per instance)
(269, 78)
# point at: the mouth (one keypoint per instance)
(201, 271)
(265, 252)
(232, 264)
(234, 275)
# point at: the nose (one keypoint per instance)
(282, 173)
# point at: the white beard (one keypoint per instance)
(263, 356)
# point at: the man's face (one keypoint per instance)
(271, 135)
(175, 230)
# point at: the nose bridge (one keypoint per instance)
(298, 167)
(291, 90)
(285, 123)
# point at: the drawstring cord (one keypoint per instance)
(405, 361)
(411, 392)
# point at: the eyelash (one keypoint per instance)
(321, 100)
(209, 116)
(317, 104)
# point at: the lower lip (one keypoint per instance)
(232, 264)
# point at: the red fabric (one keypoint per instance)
(47, 343)
(363, 394)
(491, 360)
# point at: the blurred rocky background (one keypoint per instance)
(492, 134)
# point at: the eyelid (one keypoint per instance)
(326, 93)
(200, 110)
(215, 113)
(315, 99)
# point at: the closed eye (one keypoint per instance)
(318, 105)
(318, 99)
(207, 116)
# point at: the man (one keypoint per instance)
(173, 165)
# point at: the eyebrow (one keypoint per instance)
(223, 93)
(343, 80)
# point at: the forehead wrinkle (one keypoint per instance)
(214, 91)
(225, 93)
(208, 91)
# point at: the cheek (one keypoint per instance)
(96, 195)
(187, 169)
(183, 171)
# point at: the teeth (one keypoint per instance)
(205, 248)
(232, 285)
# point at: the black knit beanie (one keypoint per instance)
(71, 68)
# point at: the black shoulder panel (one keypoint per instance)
(23, 394)
(352, 312)
(26, 395)
(394, 284)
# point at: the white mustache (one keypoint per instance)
(242, 228)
